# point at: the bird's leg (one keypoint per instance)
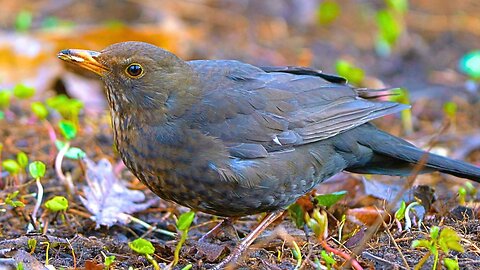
(213, 232)
(248, 240)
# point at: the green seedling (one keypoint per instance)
(445, 240)
(462, 195)
(145, 248)
(12, 201)
(39, 110)
(5, 96)
(37, 171)
(400, 215)
(327, 12)
(13, 168)
(22, 91)
(328, 259)
(451, 264)
(23, 21)
(32, 245)
(68, 130)
(390, 24)
(68, 108)
(297, 254)
(470, 65)
(57, 204)
(183, 225)
(408, 221)
(187, 267)
(20, 266)
(108, 261)
(349, 71)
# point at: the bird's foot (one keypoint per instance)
(233, 257)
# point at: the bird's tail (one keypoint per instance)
(394, 156)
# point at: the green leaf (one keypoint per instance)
(2, 115)
(400, 214)
(470, 64)
(451, 264)
(37, 169)
(23, 22)
(185, 220)
(349, 71)
(10, 200)
(68, 129)
(450, 240)
(400, 95)
(68, 108)
(328, 200)
(39, 110)
(187, 267)
(398, 5)
(11, 166)
(75, 153)
(142, 246)
(109, 261)
(22, 91)
(20, 266)
(297, 214)
(421, 243)
(32, 243)
(22, 159)
(434, 232)
(328, 258)
(389, 27)
(5, 98)
(57, 203)
(327, 12)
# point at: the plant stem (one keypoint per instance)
(152, 261)
(39, 200)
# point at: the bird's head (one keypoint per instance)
(140, 77)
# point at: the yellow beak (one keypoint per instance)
(83, 58)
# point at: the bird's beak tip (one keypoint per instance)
(83, 58)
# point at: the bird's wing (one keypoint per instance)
(256, 112)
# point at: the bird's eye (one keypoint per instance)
(134, 70)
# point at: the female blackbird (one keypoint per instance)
(232, 139)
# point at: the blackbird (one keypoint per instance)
(232, 139)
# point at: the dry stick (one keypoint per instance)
(395, 243)
(408, 183)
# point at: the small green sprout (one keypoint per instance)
(39, 110)
(145, 248)
(32, 245)
(20, 266)
(297, 214)
(11, 166)
(327, 12)
(22, 91)
(72, 152)
(183, 225)
(352, 73)
(328, 258)
(400, 6)
(445, 240)
(5, 99)
(22, 160)
(451, 264)
(68, 129)
(462, 195)
(297, 254)
(187, 267)
(37, 171)
(109, 260)
(11, 200)
(23, 22)
(57, 204)
(68, 108)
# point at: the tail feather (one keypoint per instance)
(395, 156)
